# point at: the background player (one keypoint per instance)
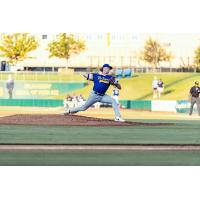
(155, 87)
(10, 86)
(160, 87)
(102, 81)
(194, 93)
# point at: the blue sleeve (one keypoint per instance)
(95, 75)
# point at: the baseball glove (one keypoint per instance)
(113, 81)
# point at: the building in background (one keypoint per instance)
(118, 49)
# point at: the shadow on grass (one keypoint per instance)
(168, 91)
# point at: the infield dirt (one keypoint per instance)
(69, 120)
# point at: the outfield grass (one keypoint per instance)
(142, 158)
(182, 132)
(139, 88)
(177, 86)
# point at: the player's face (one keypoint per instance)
(106, 70)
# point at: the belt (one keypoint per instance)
(99, 93)
(195, 97)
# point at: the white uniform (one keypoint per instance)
(155, 84)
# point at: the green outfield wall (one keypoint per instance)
(31, 102)
(39, 90)
(137, 105)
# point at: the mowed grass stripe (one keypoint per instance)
(180, 133)
(142, 158)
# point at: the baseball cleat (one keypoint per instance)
(119, 119)
(66, 112)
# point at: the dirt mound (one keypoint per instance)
(69, 120)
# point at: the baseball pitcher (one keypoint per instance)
(102, 82)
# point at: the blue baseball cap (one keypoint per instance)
(105, 65)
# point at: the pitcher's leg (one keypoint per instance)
(90, 101)
(107, 99)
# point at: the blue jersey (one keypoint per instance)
(101, 83)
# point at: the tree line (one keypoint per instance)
(16, 47)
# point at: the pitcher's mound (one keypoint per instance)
(69, 120)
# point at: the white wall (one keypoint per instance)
(164, 105)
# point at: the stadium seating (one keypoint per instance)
(119, 73)
(127, 73)
(123, 73)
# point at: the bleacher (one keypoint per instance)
(124, 73)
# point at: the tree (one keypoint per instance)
(15, 47)
(65, 45)
(197, 57)
(154, 53)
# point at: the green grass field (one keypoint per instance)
(177, 86)
(138, 87)
(181, 133)
(167, 158)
